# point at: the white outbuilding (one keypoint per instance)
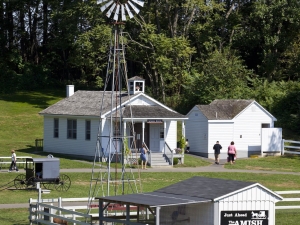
(245, 122)
(198, 200)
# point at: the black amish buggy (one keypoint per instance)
(45, 171)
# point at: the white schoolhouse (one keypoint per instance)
(71, 125)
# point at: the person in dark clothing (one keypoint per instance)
(217, 147)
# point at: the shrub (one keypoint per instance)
(175, 161)
(182, 143)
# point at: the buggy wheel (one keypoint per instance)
(20, 181)
(48, 186)
(64, 183)
(31, 183)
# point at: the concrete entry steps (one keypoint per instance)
(158, 160)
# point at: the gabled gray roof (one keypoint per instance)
(224, 109)
(148, 111)
(204, 187)
(83, 103)
(136, 78)
(192, 190)
(88, 103)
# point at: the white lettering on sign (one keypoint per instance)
(240, 215)
(228, 215)
(250, 222)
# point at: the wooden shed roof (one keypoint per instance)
(224, 109)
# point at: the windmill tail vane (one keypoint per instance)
(118, 10)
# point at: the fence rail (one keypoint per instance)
(289, 200)
(285, 146)
(6, 161)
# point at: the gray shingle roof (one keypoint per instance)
(204, 187)
(224, 109)
(148, 111)
(88, 103)
(83, 103)
(136, 78)
(192, 190)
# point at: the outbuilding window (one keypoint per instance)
(56, 128)
(87, 130)
(72, 129)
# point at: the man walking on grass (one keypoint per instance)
(217, 147)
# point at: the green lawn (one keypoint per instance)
(20, 122)
(286, 163)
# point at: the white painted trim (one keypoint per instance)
(135, 97)
(154, 118)
(220, 121)
(248, 187)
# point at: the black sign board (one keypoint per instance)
(154, 121)
(252, 217)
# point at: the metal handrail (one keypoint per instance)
(166, 144)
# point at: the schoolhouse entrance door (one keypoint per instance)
(154, 137)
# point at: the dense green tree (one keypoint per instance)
(165, 60)
(223, 76)
(265, 30)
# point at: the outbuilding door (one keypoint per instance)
(271, 139)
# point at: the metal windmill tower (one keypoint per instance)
(111, 147)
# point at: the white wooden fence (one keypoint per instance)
(288, 146)
(289, 200)
(44, 211)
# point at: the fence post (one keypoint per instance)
(74, 217)
(282, 147)
(59, 205)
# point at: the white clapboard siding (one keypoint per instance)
(222, 132)
(171, 137)
(248, 125)
(63, 145)
(142, 101)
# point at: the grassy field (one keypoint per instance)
(20, 122)
(21, 125)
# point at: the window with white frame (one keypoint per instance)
(87, 130)
(72, 129)
(162, 131)
(56, 128)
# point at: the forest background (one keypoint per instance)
(188, 51)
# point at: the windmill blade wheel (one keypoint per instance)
(64, 183)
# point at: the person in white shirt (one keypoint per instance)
(13, 164)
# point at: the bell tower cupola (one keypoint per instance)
(136, 85)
